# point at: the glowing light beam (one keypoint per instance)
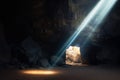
(98, 13)
(100, 16)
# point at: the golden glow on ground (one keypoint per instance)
(40, 72)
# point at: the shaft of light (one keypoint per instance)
(100, 16)
(96, 15)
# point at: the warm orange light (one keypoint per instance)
(40, 72)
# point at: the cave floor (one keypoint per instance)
(66, 73)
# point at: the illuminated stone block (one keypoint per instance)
(73, 55)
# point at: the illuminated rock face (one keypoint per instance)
(73, 55)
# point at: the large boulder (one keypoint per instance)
(34, 53)
(73, 55)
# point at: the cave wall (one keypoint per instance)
(50, 23)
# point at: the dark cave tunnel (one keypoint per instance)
(39, 28)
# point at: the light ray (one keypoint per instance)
(98, 13)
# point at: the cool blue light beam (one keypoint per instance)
(100, 16)
(96, 15)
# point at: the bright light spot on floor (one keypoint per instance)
(40, 72)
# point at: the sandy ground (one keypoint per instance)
(66, 73)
